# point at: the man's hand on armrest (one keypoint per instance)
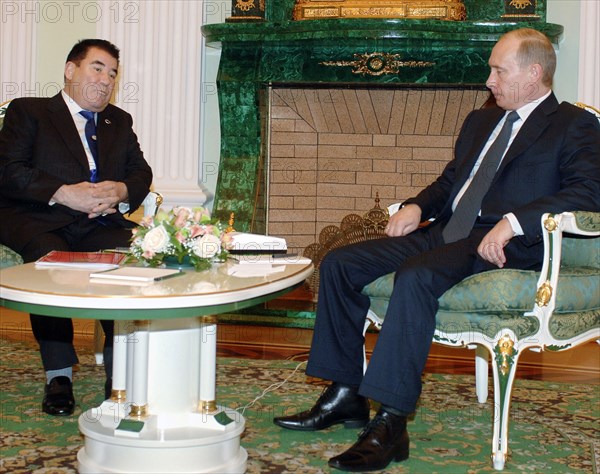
(405, 221)
(492, 246)
(95, 199)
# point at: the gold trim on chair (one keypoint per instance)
(589, 108)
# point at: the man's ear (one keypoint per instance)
(536, 72)
(69, 68)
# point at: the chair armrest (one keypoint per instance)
(553, 227)
(152, 203)
(581, 223)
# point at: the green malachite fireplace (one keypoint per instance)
(345, 53)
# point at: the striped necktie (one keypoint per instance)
(90, 136)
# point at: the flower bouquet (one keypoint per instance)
(182, 236)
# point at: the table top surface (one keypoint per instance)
(42, 288)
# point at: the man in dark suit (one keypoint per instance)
(65, 186)
(513, 162)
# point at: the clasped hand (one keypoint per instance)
(95, 199)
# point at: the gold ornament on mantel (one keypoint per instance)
(377, 64)
(247, 10)
(411, 9)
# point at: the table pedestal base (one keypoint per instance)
(204, 443)
(168, 421)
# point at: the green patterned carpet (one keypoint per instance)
(554, 427)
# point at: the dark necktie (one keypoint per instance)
(463, 218)
(90, 135)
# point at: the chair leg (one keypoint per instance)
(504, 365)
(481, 373)
(98, 343)
(367, 324)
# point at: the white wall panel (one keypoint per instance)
(17, 49)
(589, 53)
(160, 85)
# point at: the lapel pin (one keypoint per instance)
(107, 122)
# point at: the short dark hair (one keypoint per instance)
(80, 50)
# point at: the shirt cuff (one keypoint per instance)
(514, 223)
(393, 208)
(123, 207)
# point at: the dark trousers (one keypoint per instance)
(54, 334)
(425, 268)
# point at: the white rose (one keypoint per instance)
(207, 246)
(156, 240)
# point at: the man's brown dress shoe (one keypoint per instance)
(383, 440)
(337, 404)
(58, 397)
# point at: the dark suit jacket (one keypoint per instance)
(40, 150)
(553, 165)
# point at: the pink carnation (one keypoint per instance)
(180, 236)
(182, 216)
(148, 254)
(197, 231)
(147, 221)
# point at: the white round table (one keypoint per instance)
(162, 415)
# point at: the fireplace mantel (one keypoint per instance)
(373, 53)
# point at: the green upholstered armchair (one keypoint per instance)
(503, 312)
(9, 257)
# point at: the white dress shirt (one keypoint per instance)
(80, 122)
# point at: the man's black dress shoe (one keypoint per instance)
(337, 404)
(58, 397)
(383, 440)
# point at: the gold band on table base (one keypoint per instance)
(118, 396)
(411, 9)
(138, 411)
(210, 319)
(207, 406)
